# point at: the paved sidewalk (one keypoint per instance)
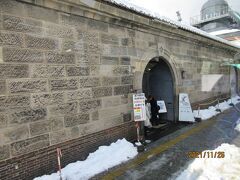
(168, 155)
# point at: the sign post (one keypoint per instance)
(139, 111)
(185, 109)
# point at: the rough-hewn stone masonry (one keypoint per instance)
(68, 70)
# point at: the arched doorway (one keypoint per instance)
(158, 81)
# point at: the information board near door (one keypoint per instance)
(139, 108)
(185, 109)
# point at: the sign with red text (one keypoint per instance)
(139, 108)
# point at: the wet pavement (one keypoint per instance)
(167, 156)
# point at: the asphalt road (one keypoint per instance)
(167, 156)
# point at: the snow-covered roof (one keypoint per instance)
(225, 31)
(157, 17)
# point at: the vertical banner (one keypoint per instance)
(185, 109)
(139, 108)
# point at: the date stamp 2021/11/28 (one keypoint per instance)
(206, 154)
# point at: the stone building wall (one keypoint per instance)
(68, 69)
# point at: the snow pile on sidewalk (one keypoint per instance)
(215, 168)
(238, 125)
(101, 160)
(205, 114)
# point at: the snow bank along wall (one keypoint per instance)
(68, 70)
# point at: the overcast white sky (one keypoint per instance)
(187, 8)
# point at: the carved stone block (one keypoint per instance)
(21, 25)
(110, 101)
(109, 81)
(14, 101)
(97, 25)
(11, 39)
(56, 123)
(58, 137)
(107, 60)
(73, 46)
(60, 58)
(41, 127)
(22, 55)
(59, 31)
(39, 71)
(2, 87)
(13, 71)
(121, 70)
(41, 43)
(73, 20)
(4, 152)
(102, 91)
(29, 145)
(88, 37)
(89, 82)
(47, 71)
(64, 109)
(41, 100)
(25, 115)
(109, 39)
(127, 42)
(121, 90)
(74, 132)
(56, 71)
(85, 106)
(125, 60)
(94, 70)
(132, 51)
(11, 7)
(77, 71)
(63, 84)
(127, 80)
(41, 13)
(3, 120)
(118, 51)
(79, 94)
(87, 58)
(15, 133)
(94, 116)
(71, 121)
(19, 86)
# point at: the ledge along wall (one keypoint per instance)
(68, 70)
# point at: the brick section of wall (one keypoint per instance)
(44, 161)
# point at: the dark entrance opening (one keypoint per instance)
(158, 82)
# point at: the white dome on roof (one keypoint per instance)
(214, 7)
(214, 3)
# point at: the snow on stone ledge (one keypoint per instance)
(158, 17)
(208, 113)
(215, 168)
(100, 160)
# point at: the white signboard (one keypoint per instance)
(162, 106)
(185, 109)
(139, 108)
